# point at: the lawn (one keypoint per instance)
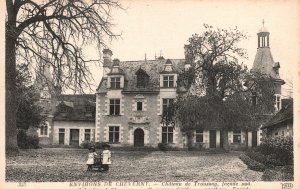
(64, 164)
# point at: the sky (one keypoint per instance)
(162, 27)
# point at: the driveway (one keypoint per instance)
(47, 165)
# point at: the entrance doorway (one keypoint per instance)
(138, 137)
(254, 138)
(212, 139)
(74, 137)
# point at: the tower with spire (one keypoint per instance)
(264, 62)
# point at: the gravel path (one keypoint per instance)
(48, 165)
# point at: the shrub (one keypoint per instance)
(284, 173)
(162, 146)
(27, 141)
(269, 160)
(252, 164)
(167, 147)
(278, 150)
(87, 144)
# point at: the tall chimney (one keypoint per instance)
(107, 62)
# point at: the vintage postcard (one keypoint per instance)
(150, 94)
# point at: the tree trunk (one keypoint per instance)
(11, 145)
(225, 140)
(190, 139)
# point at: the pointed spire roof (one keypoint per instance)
(264, 62)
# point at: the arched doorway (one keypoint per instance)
(138, 138)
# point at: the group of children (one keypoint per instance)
(101, 160)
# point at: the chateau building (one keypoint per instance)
(130, 99)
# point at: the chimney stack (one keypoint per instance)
(107, 62)
(107, 54)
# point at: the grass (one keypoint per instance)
(63, 164)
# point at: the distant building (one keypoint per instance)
(281, 124)
(70, 118)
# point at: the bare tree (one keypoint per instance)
(54, 31)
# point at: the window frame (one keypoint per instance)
(114, 134)
(166, 134)
(167, 104)
(115, 107)
(115, 82)
(87, 132)
(237, 133)
(61, 131)
(44, 131)
(139, 106)
(168, 81)
(199, 134)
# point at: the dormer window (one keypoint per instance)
(115, 82)
(142, 78)
(168, 81)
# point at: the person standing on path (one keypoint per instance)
(106, 157)
(90, 159)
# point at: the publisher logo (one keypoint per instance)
(287, 185)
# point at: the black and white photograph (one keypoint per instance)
(150, 94)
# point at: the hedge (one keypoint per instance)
(252, 164)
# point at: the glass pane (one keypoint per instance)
(164, 138)
(87, 130)
(112, 110)
(111, 137)
(139, 106)
(199, 138)
(118, 79)
(117, 129)
(111, 128)
(170, 129)
(87, 137)
(117, 110)
(164, 129)
(62, 130)
(117, 101)
(165, 101)
(118, 85)
(171, 84)
(116, 137)
(165, 84)
(170, 137)
(46, 130)
(111, 101)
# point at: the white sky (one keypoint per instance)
(164, 26)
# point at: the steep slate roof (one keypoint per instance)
(151, 67)
(77, 105)
(285, 114)
(264, 62)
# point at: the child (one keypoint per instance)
(106, 157)
(91, 156)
